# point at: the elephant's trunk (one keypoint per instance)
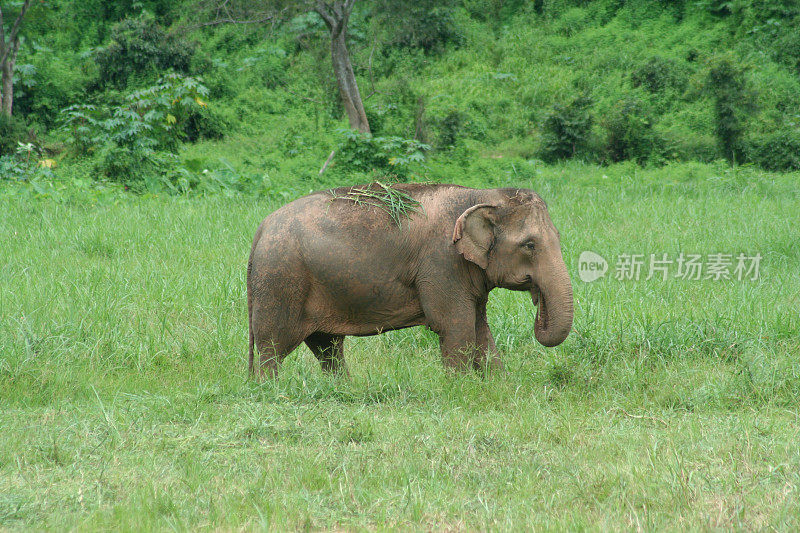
(555, 311)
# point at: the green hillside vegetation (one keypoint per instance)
(454, 91)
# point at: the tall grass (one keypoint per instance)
(125, 402)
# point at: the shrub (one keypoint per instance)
(381, 114)
(363, 152)
(571, 21)
(496, 11)
(47, 85)
(731, 102)
(267, 65)
(132, 141)
(13, 130)
(776, 151)
(630, 133)
(140, 47)
(427, 24)
(450, 127)
(718, 8)
(567, 130)
(203, 122)
(26, 164)
(658, 74)
(156, 116)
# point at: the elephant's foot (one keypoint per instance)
(489, 364)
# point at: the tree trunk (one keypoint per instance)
(348, 88)
(7, 69)
(8, 57)
(336, 16)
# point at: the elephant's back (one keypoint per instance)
(366, 226)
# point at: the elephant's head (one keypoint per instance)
(514, 241)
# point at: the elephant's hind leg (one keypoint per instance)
(272, 353)
(274, 340)
(329, 349)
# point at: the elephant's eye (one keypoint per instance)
(529, 245)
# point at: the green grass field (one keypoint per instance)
(125, 404)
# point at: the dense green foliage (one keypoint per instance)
(12, 132)
(567, 130)
(133, 141)
(601, 81)
(140, 48)
(726, 83)
(389, 155)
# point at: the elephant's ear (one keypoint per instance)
(474, 233)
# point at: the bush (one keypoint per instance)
(137, 166)
(772, 26)
(48, 85)
(658, 74)
(427, 24)
(630, 133)
(203, 122)
(267, 65)
(391, 155)
(497, 11)
(731, 102)
(450, 127)
(13, 130)
(133, 141)
(140, 47)
(571, 21)
(567, 130)
(382, 117)
(776, 151)
(25, 164)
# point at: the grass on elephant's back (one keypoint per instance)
(396, 203)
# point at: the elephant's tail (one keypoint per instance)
(250, 361)
(256, 238)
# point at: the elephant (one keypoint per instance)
(325, 266)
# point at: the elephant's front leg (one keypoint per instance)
(452, 317)
(458, 344)
(488, 355)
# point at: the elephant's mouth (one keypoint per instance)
(542, 315)
(541, 312)
(525, 284)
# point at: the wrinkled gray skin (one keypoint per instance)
(321, 268)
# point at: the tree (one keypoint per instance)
(9, 47)
(336, 15)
